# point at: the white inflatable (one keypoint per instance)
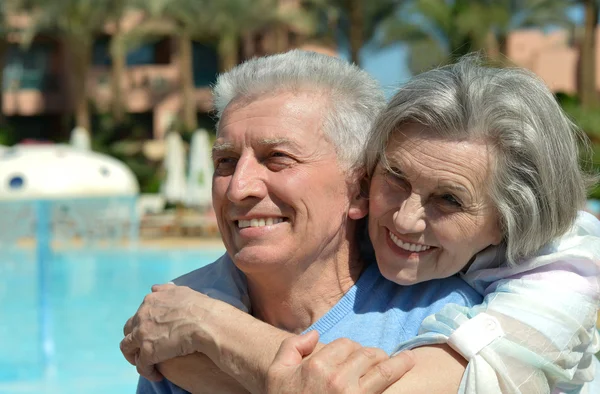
(61, 171)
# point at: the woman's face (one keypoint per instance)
(431, 214)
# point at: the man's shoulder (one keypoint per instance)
(221, 280)
(203, 275)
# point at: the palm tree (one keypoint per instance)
(4, 30)
(357, 19)
(234, 18)
(6, 9)
(76, 23)
(118, 52)
(209, 21)
(587, 61)
(439, 31)
(186, 20)
(513, 15)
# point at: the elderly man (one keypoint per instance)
(286, 190)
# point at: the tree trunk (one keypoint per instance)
(280, 32)
(587, 61)
(228, 51)
(356, 36)
(80, 49)
(188, 90)
(3, 52)
(118, 57)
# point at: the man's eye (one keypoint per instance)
(279, 155)
(278, 161)
(225, 164)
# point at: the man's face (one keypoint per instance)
(279, 193)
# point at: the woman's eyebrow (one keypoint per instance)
(454, 187)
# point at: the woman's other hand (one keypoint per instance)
(168, 324)
(343, 366)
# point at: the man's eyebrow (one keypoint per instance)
(272, 142)
(226, 146)
(222, 146)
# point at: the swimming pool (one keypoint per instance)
(65, 338)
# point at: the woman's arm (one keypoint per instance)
(177, 319)
(344, 366)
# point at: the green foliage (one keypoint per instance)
(124, 142)
(335, 12)
(8, 135)
(589, 121)
(440, 31)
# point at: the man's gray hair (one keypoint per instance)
(537, 184)
(355, 98)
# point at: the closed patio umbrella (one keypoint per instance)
(200, 172)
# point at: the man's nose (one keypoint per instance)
(410, 217)
(247, 180)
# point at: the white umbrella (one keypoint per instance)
(201, 170)
(80, 139)
(173, 187)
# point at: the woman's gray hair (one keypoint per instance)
(537, 185)
(355, 98)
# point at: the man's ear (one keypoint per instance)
(359, 205)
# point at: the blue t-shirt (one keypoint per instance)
(374, 312)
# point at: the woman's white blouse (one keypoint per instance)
(535, 331)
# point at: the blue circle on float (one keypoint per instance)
(16, 182)
(104, 171)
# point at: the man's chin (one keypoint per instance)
(258, 258)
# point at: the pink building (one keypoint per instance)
(551, 56)
(36, 82)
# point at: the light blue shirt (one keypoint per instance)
(374, 312)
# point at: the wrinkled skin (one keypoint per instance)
(343, 366)
(166, 325)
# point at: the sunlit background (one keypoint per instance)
(106, 126)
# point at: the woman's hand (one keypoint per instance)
(343, 366)
(168, 324)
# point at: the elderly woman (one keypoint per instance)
(474, 171)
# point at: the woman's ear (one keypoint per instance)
(359, 206)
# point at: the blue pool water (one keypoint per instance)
(80, 313)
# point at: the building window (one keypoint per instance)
(205, 64)
(28, 69)
(157, 52)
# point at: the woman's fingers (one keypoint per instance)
(362, 360)
(129, 348)
(334, 353)
(384, 374)
(294, 349)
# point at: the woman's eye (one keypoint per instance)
(450, 199)
(396, 179)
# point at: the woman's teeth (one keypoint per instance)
(259, 222)
(408, 246)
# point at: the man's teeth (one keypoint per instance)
(407, 246)
(259, 222)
